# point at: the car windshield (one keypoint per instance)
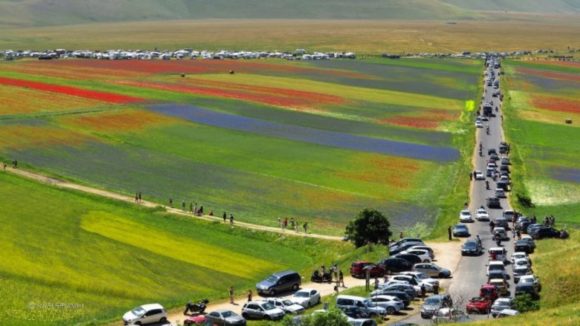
(287, 302)
(301, 294)
(268, 306)
(432, 301)
(272, 279)
(470, 245)
(227, 314)
(138, 311)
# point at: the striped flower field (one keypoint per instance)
(314, 141)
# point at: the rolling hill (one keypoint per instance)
(66, 12)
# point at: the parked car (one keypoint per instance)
(497, 254)
(401, 295)
(261, 310)
(498, 274)
(520, 255)
(523, 246)
(349, 301)
(488, 291)
(286, 305)
(495, 266)
(479, 175)
(306, 297)
(529, 239)
(503, 185)
(508, 313)
(478, 305)
(411, 258)
(429, 249)
(501, 233)
(432, 270)
(482, 214)
(450, 315)
(395, 247)
(422, 254)
(529, 289)
(396, 265)
(502, 222)
(391, 304)
(520, 271)
(279, 282)
(409, 289)
(460, 231)
(145, 314)
(472, 248)
(531, 279)
(423, 279)
(358, 269)
(544, 232)
(433, 303)
(465, 216)
(225, 317)
(501, 284)
(500, 193)
(501, 304)
(493, 203)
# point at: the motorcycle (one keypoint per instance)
(197, 308)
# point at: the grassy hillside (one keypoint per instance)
(62, 12)
(99, 258)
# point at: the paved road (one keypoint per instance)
(471, 270)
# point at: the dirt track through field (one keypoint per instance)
(445, 252)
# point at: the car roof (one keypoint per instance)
(496, 262)
(306, 290)
(392, 297)
(284, 273)
(351, 297)
(151, 306)
(497, 249)
(223, 310)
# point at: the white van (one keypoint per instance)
(348, 302)
(497, 254)
(495, 266)
(145, 314)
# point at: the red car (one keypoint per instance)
(195, 320)
(478, 305)
(489, 291)
(358, 269)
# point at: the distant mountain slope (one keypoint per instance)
(64, 12)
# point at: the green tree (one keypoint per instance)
(333, 317)
(369, 226)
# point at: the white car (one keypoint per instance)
(427, 248)
(495, 266)
(531, 279)
(423, 279)
(479, 175)
(500, 304)
(411, 280)
(465, 216)
(508, 313)
(390, 303)
(500, 193)
(423, 254)
(145, 314)
(482, 214)
(288, 306)
(519, 255)
(522, 262)
(478, 124)
(306, 298)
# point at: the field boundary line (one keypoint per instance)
(38, 177)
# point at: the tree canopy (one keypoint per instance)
(369, 226)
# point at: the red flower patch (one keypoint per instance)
(550, 74)
(95, 95)
(556, 104)
(264, 95)
(430, 119)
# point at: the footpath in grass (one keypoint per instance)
(101, 258)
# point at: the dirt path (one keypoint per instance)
(120, 197)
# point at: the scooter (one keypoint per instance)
(196, 308)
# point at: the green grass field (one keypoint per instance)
(98, 258)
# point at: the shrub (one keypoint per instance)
(524, 303)
(370, 226)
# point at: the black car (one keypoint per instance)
(471, 247)
(491, 151)
(399, 294)
(504, 185)
(413, 259)
(403, 246)
(523, 246)
(494, 274)
(493, 202)
(529, 289)
(396, 265)
(523, 223)
(544, 232)
(532, 227)
(460, 231)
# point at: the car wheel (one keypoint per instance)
(245, 315)
(163, 320)
(390, 311)
(273, 292)
(295, 287)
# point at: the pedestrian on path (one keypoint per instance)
(423, 291)
(231, 219)
(183, 205)
(225, 217)
(305, 226)
(231, 292)
(136, 198)
(4, 165)
(140, 196)
(471, 176)
(341, 279)
(249, 295)
(171, 202)
(449, 233)
(401, 235)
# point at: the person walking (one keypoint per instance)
(376, 283)
(341, 278)
(140, 196)
(231, 292)
(232, 219)
(435, 288)
(225, 216)
(171, 202)
(191, 207)
(305, 226)
(249, 295)
(401, 235)
(423, 291)
(183, 205)
(449, 233)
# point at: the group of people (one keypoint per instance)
(293, 224)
